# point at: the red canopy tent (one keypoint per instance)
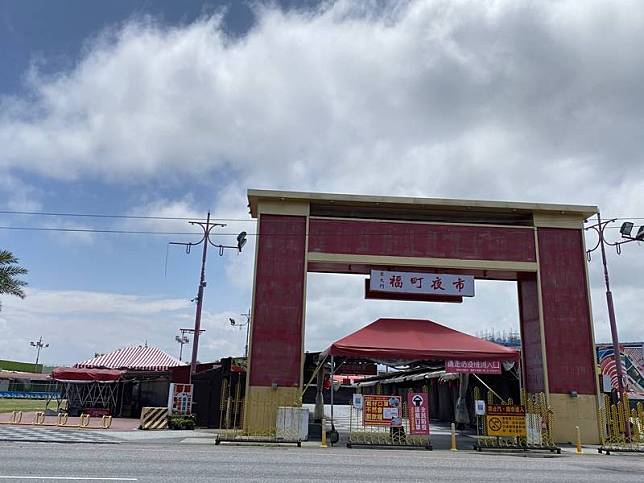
(415, 339)
(64, 374)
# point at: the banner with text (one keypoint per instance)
(381, 411)
(418, 408)
(473, 366)
(421, 283)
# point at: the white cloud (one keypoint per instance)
(78, 323)
(443, 92)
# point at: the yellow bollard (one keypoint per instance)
(323, 443)
(579, 450)
(453, 448)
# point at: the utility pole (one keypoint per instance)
(625, 231)
(207, 228)
(39, 345)
(234, 323)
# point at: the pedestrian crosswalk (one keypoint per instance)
(51, 435)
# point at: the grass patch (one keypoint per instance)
(8, 405)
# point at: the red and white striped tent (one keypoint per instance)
(137, 358)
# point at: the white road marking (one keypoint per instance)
(72, 478)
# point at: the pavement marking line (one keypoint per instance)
(66, 478)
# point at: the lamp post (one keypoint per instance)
(39, 345)
(234, 323)
(625, 230)
(181, 339)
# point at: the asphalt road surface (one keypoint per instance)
(182, 462)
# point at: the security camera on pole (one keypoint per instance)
(207, 228)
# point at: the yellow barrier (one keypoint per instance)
(613, 419)
(62, 420)
(154, 418)
(579, 450)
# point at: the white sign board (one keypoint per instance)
(389, 413)
(180, 398)
(421, 283)
(479, 407)
(357, 401)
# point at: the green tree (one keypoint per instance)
(9, 273)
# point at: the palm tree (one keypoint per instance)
(9, 271)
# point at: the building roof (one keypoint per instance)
(415, 339)
(141, 358)
(18, 375)
(331, 203)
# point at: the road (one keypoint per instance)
(201, 463)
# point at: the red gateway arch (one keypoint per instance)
(540, 246)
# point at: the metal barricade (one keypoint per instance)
(268, 408)
(535, 433)
(361, 434)
(613, 419)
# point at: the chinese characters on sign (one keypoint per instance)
(381, 411)
(180, 398)
(505, 420)
(473, 367)
(418, 405)
(422, 283)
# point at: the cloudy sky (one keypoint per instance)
(171, 109)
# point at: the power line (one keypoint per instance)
(163, 218)
(94, 230)
(150, 232)
(103, 215)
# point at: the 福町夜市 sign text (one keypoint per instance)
(422, 283)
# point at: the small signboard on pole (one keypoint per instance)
(505, 420)
(381, 410)
(418, 408)
(479, 407)
(180, 398)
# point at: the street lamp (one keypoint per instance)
(246, 324)
(625, 230)
(181, 339)
(39, 345)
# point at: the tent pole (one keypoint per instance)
(332, 372)
(315, 372)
